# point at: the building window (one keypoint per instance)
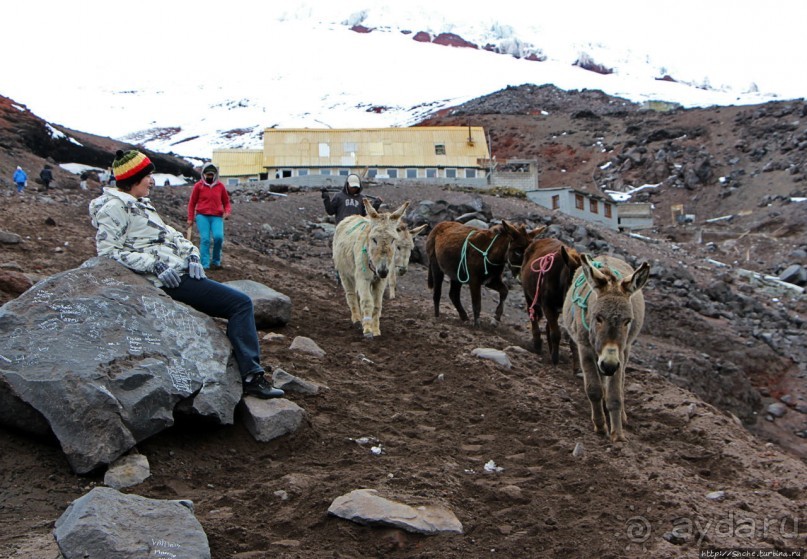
(324, 150)
(285, 173)
(431, 173)
(324, 171)
(252, 179)
(439, 149)
(606, 210)
(343, 172)
(594, 206)
(411, 173)
(470, 173)
(392, 173)
(349, 147)
(451, 173)
(302, 172)
(578, 201)
(556, 202)
(232, 182)
(372, 173)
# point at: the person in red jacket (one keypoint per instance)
(210, 206)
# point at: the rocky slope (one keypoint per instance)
(716, 352)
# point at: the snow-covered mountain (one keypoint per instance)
(192, 77)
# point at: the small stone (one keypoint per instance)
(578, 451)
(777, 409)
(716, 495)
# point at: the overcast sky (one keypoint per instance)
(112, 68)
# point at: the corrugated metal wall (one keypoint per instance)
(238, 162)
(375, 147)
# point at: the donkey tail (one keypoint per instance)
(431, 254)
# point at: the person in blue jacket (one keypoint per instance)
(21, 179)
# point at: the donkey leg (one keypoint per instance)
(367, 303)
(349, 286)
(498, 285)
(575, 355)
(476, 299)
(378, 297)
(392, 282)
(537, 344)
(594, 389)
(437, 278)
(553, 335)
(615, 404)
(454, 295)
(625, 357)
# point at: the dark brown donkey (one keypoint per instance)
(604, 313)
(468, 256)
(547, 269)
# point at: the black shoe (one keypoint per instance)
(261, 388)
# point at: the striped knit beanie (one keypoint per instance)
(129, 167)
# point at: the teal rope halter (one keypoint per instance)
(463, 265)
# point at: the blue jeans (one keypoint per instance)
(20, 186)
(210, 226)
(216, 299)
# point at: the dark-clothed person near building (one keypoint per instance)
(348, 201)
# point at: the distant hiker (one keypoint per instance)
(209, 206)
(167, 183)
(46, 175)
(131, 232)
(83, 177)
(348, 201)
(20, 179)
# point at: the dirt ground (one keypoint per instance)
(439, 414)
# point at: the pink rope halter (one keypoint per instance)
(540, 266)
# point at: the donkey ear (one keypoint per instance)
(535, 232)
(509, 229)
(637, 279)
(571, 257)
(595, 278)
(418, 230)
(400, 211)
(368, 206)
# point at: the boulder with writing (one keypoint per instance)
(103, 359)
(110, 524)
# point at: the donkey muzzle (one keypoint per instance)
(608, 362)
(382, 272)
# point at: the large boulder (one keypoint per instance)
(103, 359)
(108, 523)
(271, 308)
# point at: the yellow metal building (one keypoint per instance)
(246, 164)
(431, 152)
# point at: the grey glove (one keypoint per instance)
(195, 269)
(166, 275)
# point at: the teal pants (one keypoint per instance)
(211, 231)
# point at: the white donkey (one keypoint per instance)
(403, 251)
(363, 254)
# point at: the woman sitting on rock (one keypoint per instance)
(131, 232)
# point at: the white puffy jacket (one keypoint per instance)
(131, 232)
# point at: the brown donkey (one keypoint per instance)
(468, 256)
(547, 269)
(603, 313)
